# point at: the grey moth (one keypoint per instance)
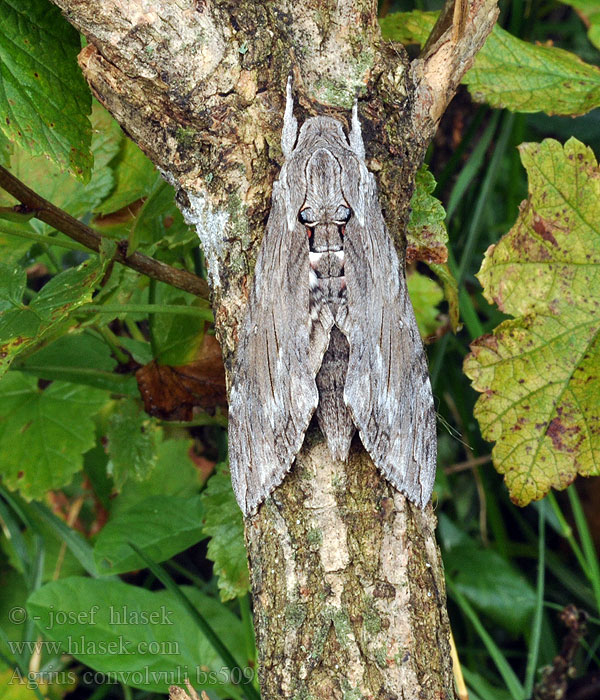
(329, 327)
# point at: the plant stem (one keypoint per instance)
(45, 211)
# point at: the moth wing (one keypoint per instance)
(280, 350)
(387, 386)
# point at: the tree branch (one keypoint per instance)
(45, 211)
(461, 30)
(349, 596)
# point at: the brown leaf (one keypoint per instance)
(172, 393)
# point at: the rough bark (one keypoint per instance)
(348, 587)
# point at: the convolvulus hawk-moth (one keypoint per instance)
(329, 327)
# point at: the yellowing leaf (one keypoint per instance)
(539, 374)
(512, 73)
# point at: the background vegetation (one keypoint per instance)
(112, 412)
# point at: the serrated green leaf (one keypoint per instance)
(426, 233)
(160, 526)
(44, 100)
(44, 433)
(143, 639)
(22, 326)
(131, 438)
(524, 77)
(58, 187)
(425, 295)
(512, 73)
(540, 374)
(224, 523)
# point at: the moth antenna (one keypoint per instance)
(356, 139)
(290, 123)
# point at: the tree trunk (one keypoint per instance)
(348, 585)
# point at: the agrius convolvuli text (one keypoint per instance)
(329, 327)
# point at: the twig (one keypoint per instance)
(459, 33)
(467, 464)
(45, 211)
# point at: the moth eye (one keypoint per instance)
(307, 217)
(342, 215)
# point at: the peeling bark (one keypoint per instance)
(349, 595)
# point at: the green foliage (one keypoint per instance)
(21, 325)
(426, 227)
(44, 432)
(141, 638)
(224, 524)
(589, 10)
(131, 443)
(44, 100)
(512, 73)
(539, 374)
(161, 526)
(85, 471)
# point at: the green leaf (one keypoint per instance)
(408, 27)
(425, 295)
(81, 358)
(61, 189)
(450, 285)
(44, 433)
(131, 437)
(161, 526)
(23, 326)
(224, 523)
(165, 479)
(177, 338)
(135, 176)
(75, 542)
(512, 73)
(159, 224)
(44, 100)
(143, 639)
(539, 374)
(12, 286)
(13, 598)
(492, 585)
(589, 11)
(524, 77)
(69, 566)
(426, 233)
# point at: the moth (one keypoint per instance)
(329, 327)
